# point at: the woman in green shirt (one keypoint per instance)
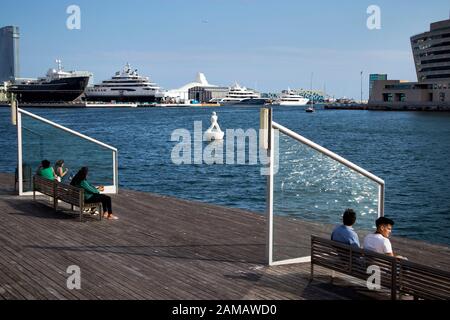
(92, 194)
(46, 171)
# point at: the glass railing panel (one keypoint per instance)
(311, 192)
(41, 140)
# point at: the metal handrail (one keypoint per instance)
(67, 130)
(110, 189)
(328, 153)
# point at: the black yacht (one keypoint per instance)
(56, 86)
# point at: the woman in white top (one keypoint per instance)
(60, 170)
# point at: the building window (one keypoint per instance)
(387, 97)
(400, 97)
(442, 96)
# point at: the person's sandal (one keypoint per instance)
(112, 217)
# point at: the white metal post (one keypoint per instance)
(270, 177)
(115, 172)
(381, 200)
(19, 153)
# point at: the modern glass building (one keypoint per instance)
(9, 53)
(432, 53)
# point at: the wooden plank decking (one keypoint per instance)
(162, 248)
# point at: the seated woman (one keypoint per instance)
(60, 171)
(46, 171)
(92, 194)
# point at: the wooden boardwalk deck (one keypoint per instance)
(162, 248)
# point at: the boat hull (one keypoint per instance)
(123, 98)
(294, 103)
(61, 90)
(246, 102)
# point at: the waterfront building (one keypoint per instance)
(431, 52)
(373, 78)
(316, 96)
(206, 94)
(9, 53)
(181, 95)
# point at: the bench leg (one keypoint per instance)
(34, 195)
(393, 294)
(311, 278)
(81, 213)
(100, 212)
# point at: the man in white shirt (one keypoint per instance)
(379, 241)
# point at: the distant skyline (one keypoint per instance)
(266, 45)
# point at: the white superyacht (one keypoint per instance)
(125, 86)
(291, 98)
(240, 95)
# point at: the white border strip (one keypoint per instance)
(291, 261)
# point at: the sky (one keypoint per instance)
(266, 45)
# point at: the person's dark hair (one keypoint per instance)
(80, 176)
(384, 221)
(59, 163)
(45, 164)
(349, 217)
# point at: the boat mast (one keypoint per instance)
(312, 94)
(58, 62)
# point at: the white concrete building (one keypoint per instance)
(181, 95)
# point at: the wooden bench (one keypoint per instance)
(400, 276)
(423, 282)
(353, 261)
(64, 192)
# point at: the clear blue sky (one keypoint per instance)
(267, 44)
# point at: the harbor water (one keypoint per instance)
(409, 150)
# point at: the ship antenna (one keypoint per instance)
(58, 61)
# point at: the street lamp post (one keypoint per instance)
(362, 86)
